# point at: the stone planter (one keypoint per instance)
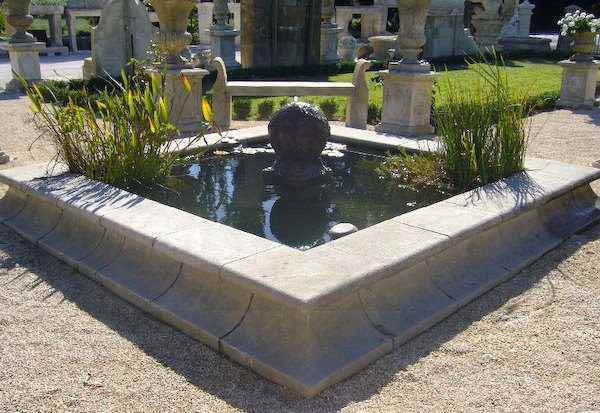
(584, 46)
(173, 36)
(20, 19)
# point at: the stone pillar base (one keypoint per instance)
(223, 44)
(25, 62)
(184, 107)
(329, 42)
(407, 100)
(579, 81)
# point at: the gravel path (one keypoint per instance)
(531, 344)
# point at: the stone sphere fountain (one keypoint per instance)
(298, 133)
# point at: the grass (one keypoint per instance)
(82, 25)
(540, 77)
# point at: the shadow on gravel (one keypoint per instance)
(236, 385)
(592, 115)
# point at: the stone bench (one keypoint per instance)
(356, 92)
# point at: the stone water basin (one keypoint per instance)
(304, 318)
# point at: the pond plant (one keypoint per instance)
(483, 132)
(124, 138)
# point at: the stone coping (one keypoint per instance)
(302, 319)
(340, 134)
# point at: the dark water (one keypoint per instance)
(232, 189)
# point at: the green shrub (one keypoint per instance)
(265, 109)
(242, 107)
(120, 139)
(373, 114)
(482, 126)
(329, 108)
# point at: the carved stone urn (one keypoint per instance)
(489, 17)
(19, 18)
(411, 33)
(173, 36)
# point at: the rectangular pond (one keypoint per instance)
(231, 187)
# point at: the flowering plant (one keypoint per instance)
(578, 22)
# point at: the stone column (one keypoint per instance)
(56, 30)
(71, 18)
(329, 34)
(23, 50)
(205, 14)
(525, 13)
(408, 84)
(579, 82)
(222, 34)
(184, 105)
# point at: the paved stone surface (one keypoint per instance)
(530, 344)
(53, 67)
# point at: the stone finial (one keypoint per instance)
(327, 12)
(221, 13)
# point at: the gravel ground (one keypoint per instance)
(530, 344)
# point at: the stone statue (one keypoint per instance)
(488, 19)
(298, 134)
(411, 33)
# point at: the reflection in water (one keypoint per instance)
(232, 190)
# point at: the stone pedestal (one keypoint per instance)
(184, 107)
(329, 42)
(579, 82)
(25, 62)
(222, 41)
(407, 92)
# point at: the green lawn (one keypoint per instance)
(537, 77)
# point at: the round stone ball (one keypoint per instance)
(299, 132)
